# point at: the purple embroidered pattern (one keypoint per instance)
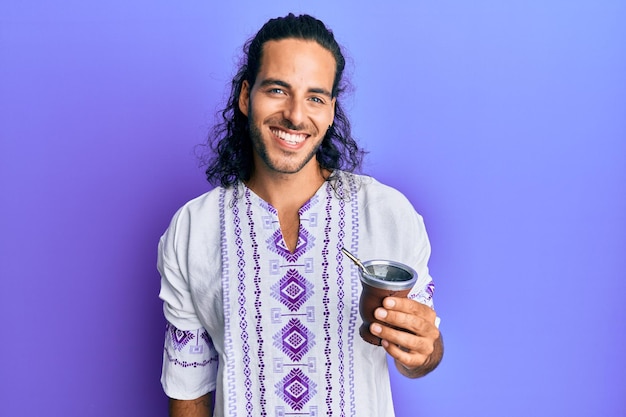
(228, 338)
(243, 323)
(186, 364)
(425, 295)
(354, 285)
(290, 317)
(276, 244)
(257, 307)
(180, 338)
(340, 296)
(326, 304)
(307, 206)
(294, 339)
(292, 290)
(296, 389)
(176, 340)
(207, 339)
(430, 290)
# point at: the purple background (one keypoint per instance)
(503, 122)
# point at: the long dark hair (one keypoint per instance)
(230, 148)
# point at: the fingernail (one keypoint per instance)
(380, 313)
(376, 328)
(389, 303)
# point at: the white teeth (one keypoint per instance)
(290, 138)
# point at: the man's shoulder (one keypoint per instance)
(204, 205)
(209, 198)
(371, 189)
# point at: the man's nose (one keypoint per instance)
(294, 111)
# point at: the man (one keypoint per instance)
(261, 304)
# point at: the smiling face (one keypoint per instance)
(289, 107)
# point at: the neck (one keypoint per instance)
(288, 191)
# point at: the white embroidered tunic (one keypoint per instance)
(275, 332)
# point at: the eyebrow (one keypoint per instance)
(274, 81)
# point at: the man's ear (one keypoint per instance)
(244, 97)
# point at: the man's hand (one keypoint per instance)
(409, 335)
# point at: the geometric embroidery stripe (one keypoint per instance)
(340, 297)
(326, 302)
(179, 338)
(241, 298)
(354, 285)
(228, 338)
(185, 364)
(257, 304)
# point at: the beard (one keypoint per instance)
(283, 161)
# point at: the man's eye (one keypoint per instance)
(276, 91)
(317, 100)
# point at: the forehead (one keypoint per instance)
(297, 61)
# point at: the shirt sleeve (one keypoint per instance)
(190, 361)
(424, 289)
(178, 306)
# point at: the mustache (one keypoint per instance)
(286, 124)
